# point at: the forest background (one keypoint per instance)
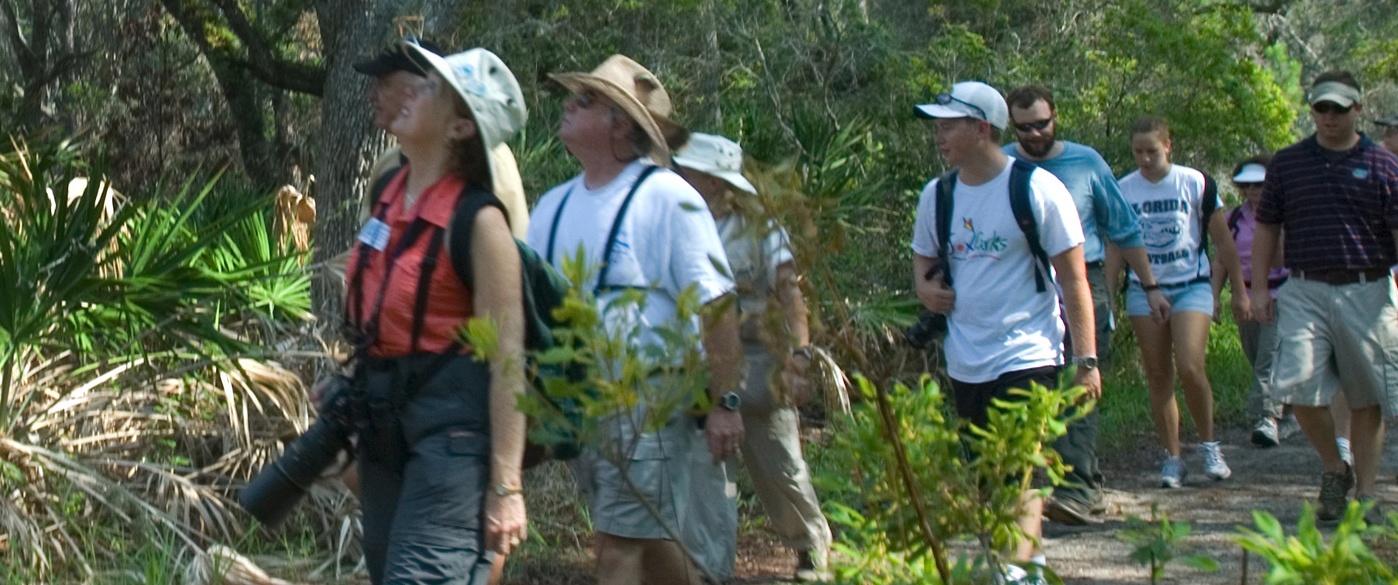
(179, 103)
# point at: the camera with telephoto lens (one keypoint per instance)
(929, 326)
(273, 494)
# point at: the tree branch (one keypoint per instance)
(9, 17)
(265, 66)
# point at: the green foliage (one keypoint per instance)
(1159, 542)
(979, 496)
(1307, 558)
(98, 293)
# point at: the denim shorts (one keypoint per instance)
(1195, 295)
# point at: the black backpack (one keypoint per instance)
(543, 289)
(1019, 206)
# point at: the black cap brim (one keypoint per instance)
(394, 59)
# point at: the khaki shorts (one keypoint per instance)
(1337, 336)
(631, 473)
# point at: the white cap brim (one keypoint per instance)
(1251, 173)
(941, 111)
(737, 180)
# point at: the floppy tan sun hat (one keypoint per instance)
(637, 91)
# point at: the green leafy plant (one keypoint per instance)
(124, 395)
(890, 534)
(1308, 558)
(1159, 542)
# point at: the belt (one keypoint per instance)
(1094, 264)
(1342, 277)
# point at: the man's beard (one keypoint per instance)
(1040, 146)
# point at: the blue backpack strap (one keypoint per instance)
(946, 185)
(1024, 216)
(553, 228)
(602, 285)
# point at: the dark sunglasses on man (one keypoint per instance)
(1039, 126)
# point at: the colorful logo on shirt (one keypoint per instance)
(1361, 173)
(978, 244)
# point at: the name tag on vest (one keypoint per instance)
(375, 234)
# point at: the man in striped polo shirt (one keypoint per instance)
(1335, 194)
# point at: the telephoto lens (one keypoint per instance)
(273, 494)
(928, 328)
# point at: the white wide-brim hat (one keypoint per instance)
(489, 89)
(717, 156)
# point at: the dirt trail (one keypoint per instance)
(1277, 480)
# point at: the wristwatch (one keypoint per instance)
(1085, 362)
(505, 491)
(804, 351)
(730, 401)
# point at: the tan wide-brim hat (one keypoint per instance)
(637, 91)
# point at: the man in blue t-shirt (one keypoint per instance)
(1102, 209)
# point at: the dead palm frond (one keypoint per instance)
(119, 402)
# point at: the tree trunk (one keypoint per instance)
(348, 141)
(347, 30)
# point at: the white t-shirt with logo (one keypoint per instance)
(1000, 323)
(1169, 211)
(667, 241)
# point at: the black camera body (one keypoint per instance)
(929, 327)
(273, 494)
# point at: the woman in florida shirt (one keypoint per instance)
(1170, 202)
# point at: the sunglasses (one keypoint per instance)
(1034, 126)
(1244, 186)
(584, 99)
(1330, 108)
(945, 99)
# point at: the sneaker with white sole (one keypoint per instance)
(1264, 433)
(1214, 465)
(1172, 474)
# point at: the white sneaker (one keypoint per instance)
(1172, 474)
(1264, 433)
(1214, 466)
(1342, 444)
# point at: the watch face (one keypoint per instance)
(731, 401)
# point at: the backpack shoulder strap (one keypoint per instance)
(946, 186)
(380, 185)
(1235, 217)
(616, 229)
(1208, 205)
(1024, 216)
(473, 199)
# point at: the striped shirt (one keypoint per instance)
(1338, 209)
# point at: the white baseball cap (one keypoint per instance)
(969, 99)
(1251, 173)
(717, 156)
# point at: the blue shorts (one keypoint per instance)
(1197, 296)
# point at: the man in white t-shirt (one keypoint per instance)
(617, 125)
(1003, 331)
